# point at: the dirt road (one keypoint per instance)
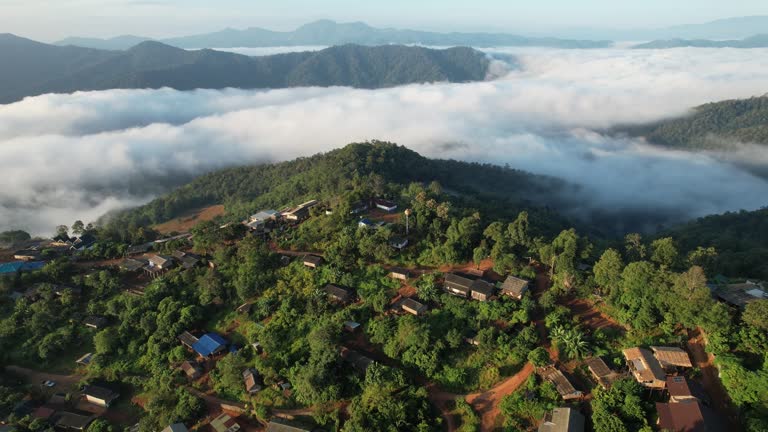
(64, 383)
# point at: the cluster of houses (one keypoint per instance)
(157, 264)
(741, 294)
(74, 414)
(481, 290)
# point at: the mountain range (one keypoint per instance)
(32, 68)
(328, 33)
(757, 41)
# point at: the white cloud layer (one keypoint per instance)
(77, 156)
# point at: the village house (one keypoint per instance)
(671, 358)
(281, 425)
(361, 206)
(138, 249)
(85, 360)
(399, 243)
(161, 262)
(678, 389)
(562, 420)
(386, 205)
(176, 427)
(366, 223)
(515, 287)
(186, 260)
(645, 368)
(561, 383)
(28, 255)
(351, 326)
(68, 421)
(83, 242)
(338, 294)
(299, 213)
(132, 265)
(14, 268)
(413, 307)
(261, 221)
(681, 416)
(481, 290)
(357, 360)
(100, 396)
(209, 345)
(400, 273)
(457, 285)
(225, 423)
(740, 295)
(312, 261)
(601, 372)
(191, 369)
(96, 322)
(252, 381)
(187, 339)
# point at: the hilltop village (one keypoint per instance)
(383, 307)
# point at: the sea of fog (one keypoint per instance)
(68, 157)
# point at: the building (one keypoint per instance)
(458, 285)
(252, 381)
(399, 243)
(160, 262)
(413, 307)
(351, 326)
(27, 255)
(678, 389)
(260, 221)
(186, 260)
(564, 387)
(63, 420)
(209, 345)
(301, 212)
(139, 249)
(400, 273)
(671, 357)
(187, 339)
(681, 416)
(225, 423)
(645, 368)
(176, 427)
(386, 205)
(83, 242)
(85, 360)
(562, 420)
(481, 290)
(191, 369)
(740, 295)
(12, 269)
(96, 322)
(312, 261)
(338, 294)
(357, 360)
(100, 396)
(515, 287)
(359, 207)
(601, 372)
(280, 425)
(366, 223)
(132, 265)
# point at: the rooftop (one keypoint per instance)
(645, 366)
(209, 344)
(672, 356)
(514, 286)
(562, 420)
(681, 416)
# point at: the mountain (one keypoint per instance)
(32, 68)
(494, 190)
(329, 33)
(757, 41)
(711, 127)
(728, 28)
(117, 43)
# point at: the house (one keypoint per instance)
(413, 307)
(481, 290)
(300, 212)
(12, 269)
(252, 381)
(366, 223)
(357, 360)
(96, 322)
(160, 262)
(187, 260)
(400, 273)
(338, 294)
(209, 345)
(515, 287)
(645, 368)
(312, 261)
(27, 255)
(132, 265)
(563, 386)
(83, 242)
(85, 360)
(385, 205)
(359, 207)
(562, 420)
(100, 396)
(280, 425)
(601, 372)
(43, 413)
(740, 295)
(351, 326)
(187, 339)
(70, 421)
(225, 423)
(458, 285)
(681, 416)
(176, 427)
(678, 389)
(671, 357)
(191, 369)
(138, 249)
(399, 243)
(258, 222)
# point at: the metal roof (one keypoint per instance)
(209, 344)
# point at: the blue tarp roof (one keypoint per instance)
(18, 266)
(209, 344)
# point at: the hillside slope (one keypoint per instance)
(32, 68)
(757, 41)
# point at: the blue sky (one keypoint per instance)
(53, 19)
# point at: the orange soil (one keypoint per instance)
(185, 223)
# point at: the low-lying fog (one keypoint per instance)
(68, 157)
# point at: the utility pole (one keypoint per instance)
(407, 221)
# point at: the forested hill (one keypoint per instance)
(711, 126)
(31, 68)
(740, 239)
(372, 169)
(326, 32)
(757, 41)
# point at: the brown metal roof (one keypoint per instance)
(681, 417)
(563, 386)
(672, 356)
(514, 286)
(645, 367)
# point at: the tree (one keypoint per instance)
(479, 254)
(539, 357)
(62, 230)
(756, 314)
(634, 246)
(703, 257)
(78, 228)
(664, 252)
(608, 271)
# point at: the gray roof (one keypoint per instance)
(562, 420)
(280, 425)
(459, 283)
(515, 286)
(338, 293)
(176, 427)
(413, 305)
(482, 287)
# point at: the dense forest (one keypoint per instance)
(420, 366)
(714, 126)
(33, 68)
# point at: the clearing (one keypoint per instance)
(186, 222)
